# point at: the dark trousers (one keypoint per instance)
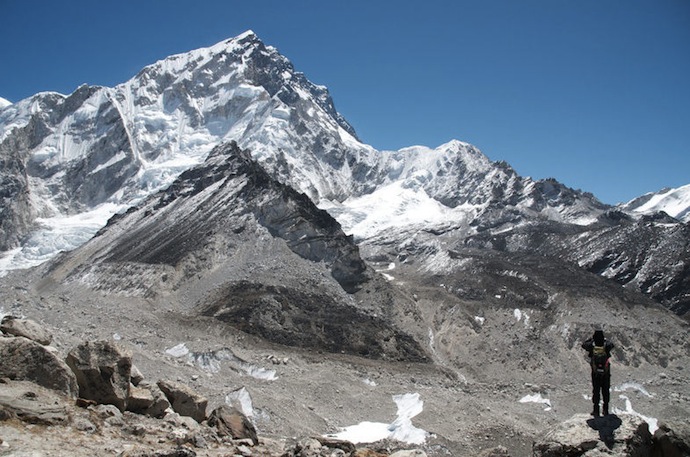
(600, 388)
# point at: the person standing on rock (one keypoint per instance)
(599, 350)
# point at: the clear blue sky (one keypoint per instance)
(595, 93)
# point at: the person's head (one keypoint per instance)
(598, 337)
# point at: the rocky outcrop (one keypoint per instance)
(27, 328)
(230, 421)
(184, 400)
(26, 360)
(672, 439)
(582, 435)
(103, 371)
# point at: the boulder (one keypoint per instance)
(24, 359)
(147, 399)
(27, 328)
(583, 435)
(230, 421)
(136, 376)
(184, 401)
(672, 439)
(103, 372)
(33, 404)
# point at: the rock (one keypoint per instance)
(139, 400)
(334, 443)
(148, 400)
(184, 400)
(412, 453)
(27, 328)
(24, 359)
(33, 404)
(498, 451)
(103, 372)
(582, 435)
(230, 421)
(672, 439)
(135, 376)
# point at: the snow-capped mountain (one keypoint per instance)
(4, 103)
(674, 202)
(71, 162)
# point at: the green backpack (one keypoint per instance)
(600, 360)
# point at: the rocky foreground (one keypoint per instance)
(96, 402)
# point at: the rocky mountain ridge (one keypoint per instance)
(72, 161)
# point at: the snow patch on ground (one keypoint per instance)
(632, 386)
(537, 398)
(241, 400)
(479, 320)
(652, 421)
(178, 351)
(210, 361)
(401, 429)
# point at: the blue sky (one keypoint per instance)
(593, 93)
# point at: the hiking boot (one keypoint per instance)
(595, 411)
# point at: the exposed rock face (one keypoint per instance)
(582, 435)
(26, 328)
(672, 439)
(24, 359)
(30, 403)
(184, 400)
(158, 246)
(103, 372)
(230, 421)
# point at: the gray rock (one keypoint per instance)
(23, 359)
(184, 400)
(33, 404)
(147, 399)
(103, 372)
(672, 439)
(136, 376)
(582, 435)
(230, 421)
(26, 328)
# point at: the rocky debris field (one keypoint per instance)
(99, 402)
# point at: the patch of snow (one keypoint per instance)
(56, 234)
(388, 277)
(479, 320)
(241, 400)
(652, 421)
(117, 336)
(518, 314)
(369, 382)
(211, 362)
(401, 429)
(178, 351)
(632, 386)
(537, 398)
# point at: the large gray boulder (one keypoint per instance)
(25, 360)
(147, 399)
(103, 371)
(184, 401)
(27, 328)
(672, 439)
(583, 435)
(230, 421)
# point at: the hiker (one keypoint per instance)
(599, 351)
